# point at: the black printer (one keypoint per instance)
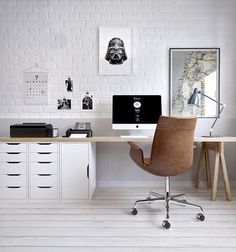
(31, 130)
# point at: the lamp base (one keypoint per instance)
(212, 136)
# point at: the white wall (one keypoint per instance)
(62, 36)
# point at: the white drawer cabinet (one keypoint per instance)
(44, 173)
(51, 171)
(13, 171)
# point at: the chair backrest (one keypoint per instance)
(172, 147)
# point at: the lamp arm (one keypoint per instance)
(212, 126)
(200, 92)
(223, 106)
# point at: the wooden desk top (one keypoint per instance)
(106, 139)
(215, 139)
(67, 139)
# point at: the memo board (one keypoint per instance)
(36, 87)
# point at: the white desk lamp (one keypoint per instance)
(194, 100)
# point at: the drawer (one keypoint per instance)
(16, 179)
(13, 147)
(43, 157)
(43, 193)
(44, 147)
(12, 167)
(43, 180)
(44, 167)
(13, 156)
(13, 192)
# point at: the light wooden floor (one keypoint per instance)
(105, 225)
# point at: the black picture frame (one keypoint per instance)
(191, 68)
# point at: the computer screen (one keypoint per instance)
(135, 111)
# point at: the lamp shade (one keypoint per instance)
(194, 98)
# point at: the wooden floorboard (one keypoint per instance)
(105, 224)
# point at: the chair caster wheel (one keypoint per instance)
(166, 224)
(200, 217)
(134, 211)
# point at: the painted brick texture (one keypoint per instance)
(62, 36)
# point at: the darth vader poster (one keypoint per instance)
(115, 55)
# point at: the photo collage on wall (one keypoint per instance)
(115, 58)
(66, 104)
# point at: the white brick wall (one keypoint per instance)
(62, 36)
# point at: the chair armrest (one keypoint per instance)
(136, 153)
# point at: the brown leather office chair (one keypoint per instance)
(171, 155)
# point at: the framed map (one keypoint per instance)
(192, 68)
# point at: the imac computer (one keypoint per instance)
(131, 112)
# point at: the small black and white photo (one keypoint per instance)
(69, 84)
(87, 101)
(64, 103)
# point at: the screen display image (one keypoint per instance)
(136, 111)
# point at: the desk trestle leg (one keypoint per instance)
(218, 148)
